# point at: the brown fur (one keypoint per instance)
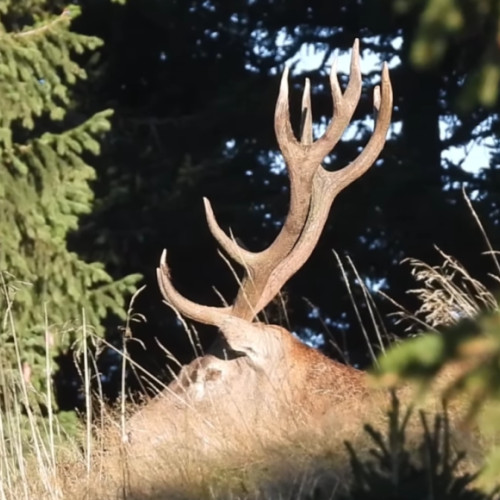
(279, 386)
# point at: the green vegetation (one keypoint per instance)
(444, 23)
(45, 186)
(428, 468)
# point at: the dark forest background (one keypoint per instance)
(193, 86)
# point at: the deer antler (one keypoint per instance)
(312, 191)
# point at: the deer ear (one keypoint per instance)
(259, 342)
(240, 335)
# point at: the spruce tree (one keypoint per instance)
(45, 186)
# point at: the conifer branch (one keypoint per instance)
(63, 17)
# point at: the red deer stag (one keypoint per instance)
(256, 372)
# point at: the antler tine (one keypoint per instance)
(288, 144)
(326, 186)
(334, 85)
(377, 98)
(306, 136)
(343, 107)
(382, 97)
(354, 85)
(197, 312)
(235, 251)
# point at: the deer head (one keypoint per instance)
(258, 358)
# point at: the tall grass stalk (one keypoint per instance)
(17, 407)
(49, 399)
(376, 322)
(127, 335)
(88, 397)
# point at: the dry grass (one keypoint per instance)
(447, 294)
(299, 462)
(301, 465)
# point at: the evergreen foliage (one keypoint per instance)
(45, 187)
(472, 349)
(443, 23)
(394, 471)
